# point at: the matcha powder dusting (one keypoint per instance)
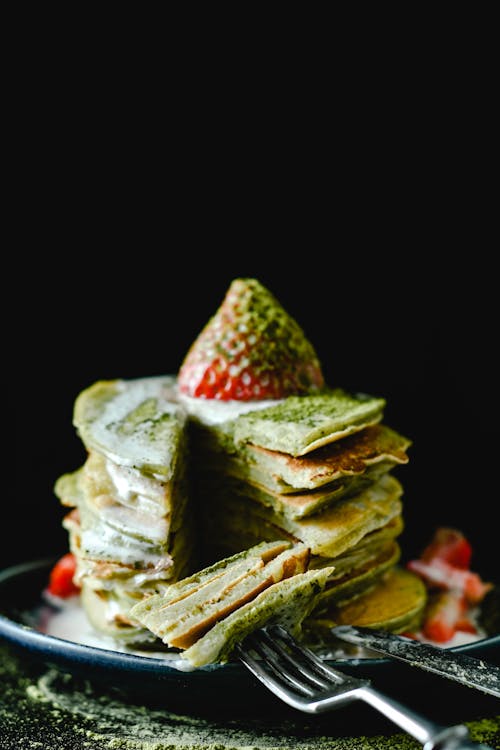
(50, 710)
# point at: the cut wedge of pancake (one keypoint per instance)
(206, 613)
(395, 603)
(211, 584)
(300, 424)
(312, 481)
(134, 423)
(327, 534)
(286, 603)
(302, 486)
(183, 619)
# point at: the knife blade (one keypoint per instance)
(468, 670)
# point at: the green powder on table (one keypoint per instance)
(48, 710)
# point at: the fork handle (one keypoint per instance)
(431, 735)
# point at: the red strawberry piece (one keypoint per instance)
(443, 613)
(250, 350)
(61, 577)
(440, 574)
(465, 625)
(449, 545)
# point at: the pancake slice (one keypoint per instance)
(311, 481)
(300, 424)
(134, 423)
(133, 529)
(328, 534)
(303, 486)
(164, 612)
(287, 603)
(208, 612)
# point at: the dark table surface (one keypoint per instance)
(47, 709)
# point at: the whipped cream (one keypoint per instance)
(212, 411)
(139, 491)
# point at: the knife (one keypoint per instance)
(468, 670)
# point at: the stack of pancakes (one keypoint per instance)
(275, 456)
(131, 528)
(310, 469)
(173, 483)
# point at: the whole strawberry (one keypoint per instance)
(250, 350)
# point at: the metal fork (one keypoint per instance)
(300, 678)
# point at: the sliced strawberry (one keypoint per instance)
(442, 575)
(443, 613)
(449, 545)
(465, 625)
(250, 350)
(61, 577)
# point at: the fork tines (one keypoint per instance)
(293, 672)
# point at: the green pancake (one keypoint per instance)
(301, 424)
(362, 575)
(286, 603)
(328, 534)
(209, 612)
(140, 569)
(189, 608)
(134, 423)
(312, 481)
(395, 603)
(132, 531)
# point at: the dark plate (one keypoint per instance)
(21, 599)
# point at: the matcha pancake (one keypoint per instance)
(138, 575)
(99, 476)
(395, 603)
(287, 603)
(132, 528)
(301, 486)
(208, 612)
(188, 609)
(300, 424)
(134, 423)
(150, 517)
(328, 534)
(362, 574)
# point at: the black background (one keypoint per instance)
(379, 235)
